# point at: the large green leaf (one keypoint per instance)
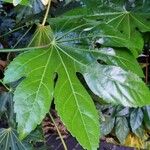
(119, 57)
(61, 59)
(105, 34)
(92, 31)
(34, 94)
(127, 21)
(83, 34)
(117, 86)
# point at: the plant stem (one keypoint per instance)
(62, 140)
(24, 49)
(46, 14)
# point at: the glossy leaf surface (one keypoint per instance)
(85, 34)
(69, 51)
(117, 86)
(119, 57)
(33, 96)
(107, 35)
(126, 20)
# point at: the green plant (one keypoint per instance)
(97, 42)
(122, 121)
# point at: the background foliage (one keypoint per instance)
(87, 50)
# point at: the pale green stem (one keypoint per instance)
(61, 138)
(46, 14)
(23, 49)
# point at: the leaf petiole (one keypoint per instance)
(61, 138)
(24, 49)
(46, 14)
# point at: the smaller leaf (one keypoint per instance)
(121, 129)
(140, 132)
(107, 125)
(136, 118)
(134, 141)
(122, 112)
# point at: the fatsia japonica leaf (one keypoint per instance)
(38, 69)
(118, 57)
(106, 35)
(127, 20)
(91, 32)
(116, 85)
(84, 35)
(34, 94)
